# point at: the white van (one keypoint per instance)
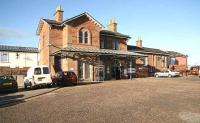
(38, 75)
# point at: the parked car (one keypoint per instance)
(63, 78)
(194, 70)
(167, 73)
(37, 76)
(199, 73)
(8, 83)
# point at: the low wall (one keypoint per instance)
(13, 71)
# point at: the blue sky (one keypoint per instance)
(164, 24)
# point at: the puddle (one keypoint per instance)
(190, 117)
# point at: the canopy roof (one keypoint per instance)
(96, 51)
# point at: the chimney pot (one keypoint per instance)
(58, 16)
(112, 25)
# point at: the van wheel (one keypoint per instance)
(25, 86)
(49, 85)
(31, 86)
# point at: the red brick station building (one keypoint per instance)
(81, 45)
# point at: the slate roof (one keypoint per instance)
(18, 49)
(114, 34)
(146, 50)
(176, 54)
(52, 22)
(73, 48)
(61, 24)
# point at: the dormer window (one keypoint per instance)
(84, 36)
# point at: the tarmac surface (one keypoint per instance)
(142, 100)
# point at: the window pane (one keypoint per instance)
(113, 44)
(102, 44)
(37, 71)
(86, 37)
(116, 45)
(80, 70)
(80, 36)
(4, 57)
(45, 70)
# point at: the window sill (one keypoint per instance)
(85, 44)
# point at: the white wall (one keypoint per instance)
(24, 60)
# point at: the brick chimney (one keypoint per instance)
(112, 25)
(139, 42)
(58, 15)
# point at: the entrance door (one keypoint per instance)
(116, 74)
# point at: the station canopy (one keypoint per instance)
(75, 52)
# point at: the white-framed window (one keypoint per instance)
(84, 36)
(4, 57)
(115, 44)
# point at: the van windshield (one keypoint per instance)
(45, 70)
(37, 71)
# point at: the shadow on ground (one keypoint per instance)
(10, 100)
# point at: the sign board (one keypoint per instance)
(131, 70)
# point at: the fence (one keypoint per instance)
(13, 71)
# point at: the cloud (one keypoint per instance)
(6, 33)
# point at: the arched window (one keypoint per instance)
(84, 36)
(80, 36)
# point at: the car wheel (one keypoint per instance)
(169, 75)
(156, 76)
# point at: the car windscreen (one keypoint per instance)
(37, 71)
(45, 70)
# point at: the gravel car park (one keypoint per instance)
(141, 100)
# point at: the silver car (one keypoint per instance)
(167, 73)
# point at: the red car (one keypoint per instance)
(194, 70)
(65, 78)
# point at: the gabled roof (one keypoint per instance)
(65, 22)
(176, 54)
(81, 15)
(114, 34)
(18, 49)
(146, 50)
(52, 22)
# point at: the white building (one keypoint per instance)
(18, 57)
